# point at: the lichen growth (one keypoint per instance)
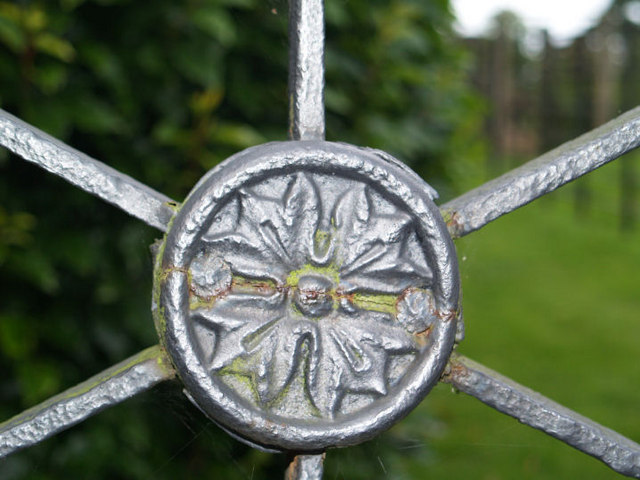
(383, 303)
(196, 302)
(240, 370)
(156, 353)
(322, 241)
(330, 271)
(241, 284)
(158, 279)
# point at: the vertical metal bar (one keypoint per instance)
(306, 70)
(306, 122)
(306, 467)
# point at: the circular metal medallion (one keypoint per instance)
(307, 293)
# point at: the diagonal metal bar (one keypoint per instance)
(524, 184)
(84, 172)
(306, 70)
(306, 467)
(537, 411)
(112, 386)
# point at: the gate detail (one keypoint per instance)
(306, 293)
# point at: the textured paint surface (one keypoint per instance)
(537, 411)
(522, 185)
(84, 172)
(122, 381)
(306, 70)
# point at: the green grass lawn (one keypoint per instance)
(554, 303)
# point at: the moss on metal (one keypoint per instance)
(330, 271)
(383, 303)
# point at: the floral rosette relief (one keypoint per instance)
(310, 295)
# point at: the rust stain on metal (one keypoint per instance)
(294, 467)
(297, 471)
(423, 337)
(255, 285)
(455, 369)
(454, 223)
(446, 315)
(169, 270)
(402, 296)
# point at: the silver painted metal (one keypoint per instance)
(308, 294)
(522, 185)
(90, 175)
(110, 387)
(306, 122)
(306, 467)
(306, 70)
(537, 411)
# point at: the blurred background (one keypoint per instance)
(165, 91)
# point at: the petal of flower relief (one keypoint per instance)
(393, 269)
(275, 354)
(301, 217)
(235, 237)
(233, 319)
(353, 357)
(275, 234)
(379, 252)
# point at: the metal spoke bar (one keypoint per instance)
(84, 172)
(122, 381)
(306, 122)
(306, 467)
(537, 411)
(524, 184)
(306, 70)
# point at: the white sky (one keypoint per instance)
(564, 19)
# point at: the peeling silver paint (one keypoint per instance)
(306, 467)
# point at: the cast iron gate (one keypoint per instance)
(307, 292)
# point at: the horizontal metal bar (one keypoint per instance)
(306, 69)
(86, 173)
(537, 411)
(122, 381)
(306, 467)
(524, 184)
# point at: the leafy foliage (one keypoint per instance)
(164, 91)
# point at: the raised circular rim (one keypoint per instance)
(171, 298)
